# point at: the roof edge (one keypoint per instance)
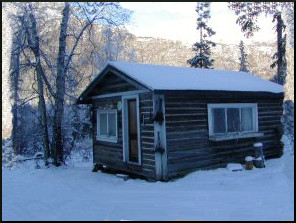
(221, 92)
(95, 81)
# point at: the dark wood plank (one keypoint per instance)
(111, 154)
(188, 141)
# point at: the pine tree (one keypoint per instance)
(248, 13)
(243, 58)
(280, 56)
(203, 47)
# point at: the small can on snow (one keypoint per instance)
(249, 162)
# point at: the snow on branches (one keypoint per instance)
(203, 47)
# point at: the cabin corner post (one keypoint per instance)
(160, 137)
(93, 120)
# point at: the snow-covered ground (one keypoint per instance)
(76, 193)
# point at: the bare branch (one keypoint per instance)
(75, 45)
(24, 102)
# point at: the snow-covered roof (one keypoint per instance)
(159, 77)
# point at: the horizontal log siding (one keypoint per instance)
(187, 136)
(112, 84)
(111, 154)
(147, 132)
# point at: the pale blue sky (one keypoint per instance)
(177, 21)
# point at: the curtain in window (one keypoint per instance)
(219, 120)
(111, 124)
(103, 124)
(247, 119)
(233, 120)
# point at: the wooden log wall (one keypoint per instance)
(111, 154)
(188, 143)
(111, 83)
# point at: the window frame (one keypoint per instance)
(225, 106)
(105, 138)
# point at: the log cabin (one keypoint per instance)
(162, 122)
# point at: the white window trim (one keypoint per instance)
(125, 130)
(232, 105)
(106, 138)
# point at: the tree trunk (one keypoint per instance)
(33, 39)
(42, 111)
(15, 75)
(60, 92)
(279, 38)
(6, 81)
(200, 51)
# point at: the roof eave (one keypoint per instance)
(83, 98)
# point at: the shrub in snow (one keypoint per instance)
(84, 148)
(39, 155)
(76, 128)
(9, 159)
(81, 151)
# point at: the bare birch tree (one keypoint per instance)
(34, 43)
(17, 45)
(6, 52)
(87, 13)
(27, 43)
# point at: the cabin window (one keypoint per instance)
(232, 119)
(107, 125)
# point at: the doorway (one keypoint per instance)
(131, 130)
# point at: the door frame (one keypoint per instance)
(125, 135)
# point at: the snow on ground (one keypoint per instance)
(76, 193)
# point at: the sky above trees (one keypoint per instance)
(177, 21)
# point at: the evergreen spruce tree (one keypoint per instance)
(203, 47)
(248, 13)
(243, 59)
(280, 56)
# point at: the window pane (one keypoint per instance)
(233, 120)
(112, 124)
(247, 119)
(103, 124)
(219, 120)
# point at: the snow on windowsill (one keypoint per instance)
(235, 136)
(107, 139)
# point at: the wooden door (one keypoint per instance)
(132, 130)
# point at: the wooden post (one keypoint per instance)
(159, 134)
